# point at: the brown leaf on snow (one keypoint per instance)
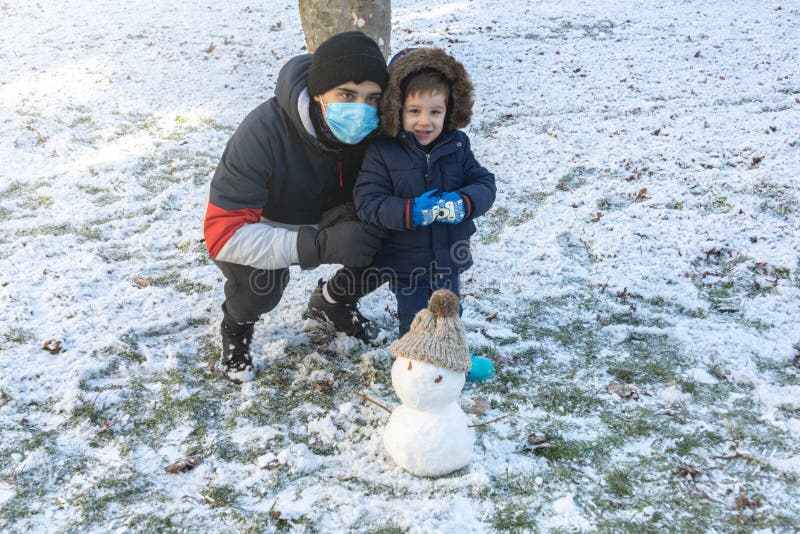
(697, 54)
(106, 426)
(183, 465)
(479, 406)
(492, 317)
(210, 48)
(537, 441)
(273, 465)
(642, 195)
(53, 346)
(324, 386)
(756, 160)
(703, 495)
(142, 281)
(744, 500)
(597, 217)
(688, 471)
(623, 390)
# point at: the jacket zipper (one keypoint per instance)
(428, 154)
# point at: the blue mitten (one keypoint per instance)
(450, 208)
(423, 210)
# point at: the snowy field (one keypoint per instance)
(637, 281)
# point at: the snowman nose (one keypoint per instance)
(438, 379)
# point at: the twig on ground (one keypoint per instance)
(372, 401)
(489, 421)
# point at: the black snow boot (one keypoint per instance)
(236, 364)
(344, 317)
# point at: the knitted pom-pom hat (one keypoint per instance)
(436, 335)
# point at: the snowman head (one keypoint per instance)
(425, 386)
(436, 335)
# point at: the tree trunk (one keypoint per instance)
(323, 18)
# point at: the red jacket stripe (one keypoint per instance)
(220, 224)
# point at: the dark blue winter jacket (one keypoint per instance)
(394, 172)
(275, 167)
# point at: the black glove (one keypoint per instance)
(342, 212)
(349, 243)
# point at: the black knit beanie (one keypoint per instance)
(346, 57)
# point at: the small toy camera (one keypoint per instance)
(447, 211)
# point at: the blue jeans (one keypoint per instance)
(414, 292)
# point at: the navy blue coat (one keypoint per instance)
(394, 172)
(273, 167)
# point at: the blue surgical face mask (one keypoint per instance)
(351, 122)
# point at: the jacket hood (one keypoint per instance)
(461, 89)
(290, 88)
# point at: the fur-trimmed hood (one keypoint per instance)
(461, 90)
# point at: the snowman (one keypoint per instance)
(428, 434)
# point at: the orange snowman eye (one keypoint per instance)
(409, 366)
(438, 379)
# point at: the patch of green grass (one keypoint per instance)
(696, 443)
(567, 399)
(116, 489)
(177, 282)
(651, 359)
(560, 449)
(575, 178)
(48, 229)
(514, 517)
(18, 335)
(220, 496)
(387, 529)
(619, 482)
(493, 224)
(536, 321)
(637, 423)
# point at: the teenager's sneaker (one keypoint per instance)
(342, 316)
(236, 364)
(482, 368)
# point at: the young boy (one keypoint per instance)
(423, 184)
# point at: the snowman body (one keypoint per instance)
(428, 435)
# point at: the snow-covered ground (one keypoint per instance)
(641, 260)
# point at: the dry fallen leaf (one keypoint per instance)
(183, 465)
(744, 501)
(142, 281)
(492, 317)
(597, 217)
(687, 471)
(536, 441)
(324, 386)
(274, 464)
(53, 346)
(623, 390)
(479, 406)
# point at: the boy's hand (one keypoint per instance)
(450, 209)
(424, 208)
